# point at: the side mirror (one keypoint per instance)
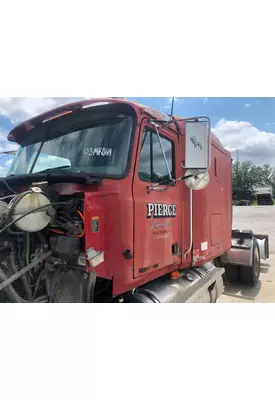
(197, 144)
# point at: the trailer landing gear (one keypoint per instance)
(242, 262)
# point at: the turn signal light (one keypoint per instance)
(175, 275)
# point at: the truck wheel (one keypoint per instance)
(251, 276)
(232, 273)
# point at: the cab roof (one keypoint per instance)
(26, 126)
(31, 123)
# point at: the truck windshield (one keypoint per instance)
(99, 147)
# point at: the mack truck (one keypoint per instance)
(111, 201)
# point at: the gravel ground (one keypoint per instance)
(261, 220)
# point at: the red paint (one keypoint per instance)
(121, 208)
(196, 253)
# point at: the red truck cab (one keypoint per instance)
(146, 224)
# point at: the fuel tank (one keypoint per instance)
(194, 285)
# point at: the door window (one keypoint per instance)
(152, 166)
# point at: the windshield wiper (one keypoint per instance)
(52, 169)
(41, 172)
(78, 177)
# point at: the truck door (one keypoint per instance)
(157, 213)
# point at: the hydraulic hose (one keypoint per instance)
(7, 197)
(11, 293)
(14, 296)
(11, 279)
(90, 287)
(24, 279)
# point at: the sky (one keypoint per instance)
(246, 124)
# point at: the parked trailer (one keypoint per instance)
(108, 200)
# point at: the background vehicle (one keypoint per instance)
(264, 195)
(242, 198)
(109, 201)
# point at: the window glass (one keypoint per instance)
(101, 149)
(152, 166)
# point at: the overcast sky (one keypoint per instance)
(244, 123)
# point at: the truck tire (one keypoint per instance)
(250, 276)
(232, 273)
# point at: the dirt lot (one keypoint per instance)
(260, 219)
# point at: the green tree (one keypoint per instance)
(242, 176)
(246, 175)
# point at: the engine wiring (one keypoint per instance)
(66, 234)
(29, 260)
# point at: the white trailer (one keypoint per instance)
(264, 195)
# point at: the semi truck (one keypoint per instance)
(111, 201)
(264, 195)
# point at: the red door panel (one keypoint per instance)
(157, 214)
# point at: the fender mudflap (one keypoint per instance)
(241, 251)
(263, 242)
